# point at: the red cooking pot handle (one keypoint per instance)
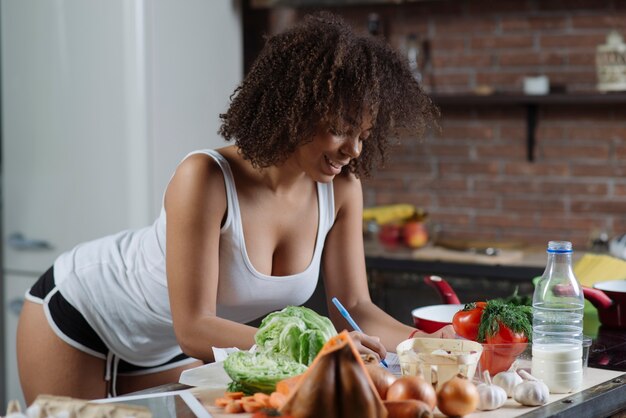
(443, 288)
(597, 297)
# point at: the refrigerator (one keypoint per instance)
(100, 100)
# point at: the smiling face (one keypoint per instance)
(332, 148)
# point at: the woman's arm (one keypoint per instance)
(195, 203)
(344, 268)
(345, 275)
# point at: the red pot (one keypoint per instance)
(610, 300)
(443, 288)
(432, 318)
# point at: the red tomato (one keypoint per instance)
(466, 321)
(498, 358)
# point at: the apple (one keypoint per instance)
(414, 234)
(390, 235)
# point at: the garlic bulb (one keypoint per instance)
(490, 396)
(532, 391)
(508, 379)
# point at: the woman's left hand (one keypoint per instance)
(367, 344)
(445, 332)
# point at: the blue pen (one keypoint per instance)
(344, 312)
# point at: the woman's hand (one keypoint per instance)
(367, 344)
(445, 332)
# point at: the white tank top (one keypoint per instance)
(119, 282)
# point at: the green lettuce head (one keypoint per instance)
(259, 372)
(296, 332)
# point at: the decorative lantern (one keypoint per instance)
(611, 63)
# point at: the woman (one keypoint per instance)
(243, 231)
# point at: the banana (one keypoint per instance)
(388, 213)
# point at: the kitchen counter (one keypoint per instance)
(514, 264)
(606, 399)
(395, 276)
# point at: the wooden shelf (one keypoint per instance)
(531, 103)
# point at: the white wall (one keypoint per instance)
(100, 101)
(195, 52)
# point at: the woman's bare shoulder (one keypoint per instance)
(347, 190)
(197, 177)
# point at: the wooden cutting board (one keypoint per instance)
(510, 409)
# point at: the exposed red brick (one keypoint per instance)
(419, 200)
(503, 152)
(596, 188)
(533, 23)
(508, 186)
(483, 7)
(474, 201)
(506, 220)
(382, 183)
(512, 132)
(598, 170)
(418, 26)
(599, 207)
(536, 203)
(448, 44)
(537, 168)
(580, 222)
(572, 76)
(472, 177)
(462, 60)
(448, 185)
(550, 132)
(511, 81)
(508, 42)
(606, 132)
(466, 132)
(583, 59)
(575, 41)
(581, 115)
(456, 150)
(619, 225)
(456, 25)
(469, 168)
(454, 79)
(528, 59)
(604, 21)
(572, 151)
(417, 10)
(441, 216)
(619, 190)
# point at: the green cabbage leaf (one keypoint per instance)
(287, 342)
(260, 371)
(296, 331)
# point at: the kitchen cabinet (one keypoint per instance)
(100, 101)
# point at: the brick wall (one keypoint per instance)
(474, 178)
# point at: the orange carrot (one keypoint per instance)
(251, 406)
(222, 402)
(234, 407)
(234, 395)
(262, 398)
(277, 400)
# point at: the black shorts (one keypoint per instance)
(71, 326)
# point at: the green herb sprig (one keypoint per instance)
(518, 318)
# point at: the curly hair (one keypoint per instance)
(321, 71)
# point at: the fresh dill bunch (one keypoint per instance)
(518, 318)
